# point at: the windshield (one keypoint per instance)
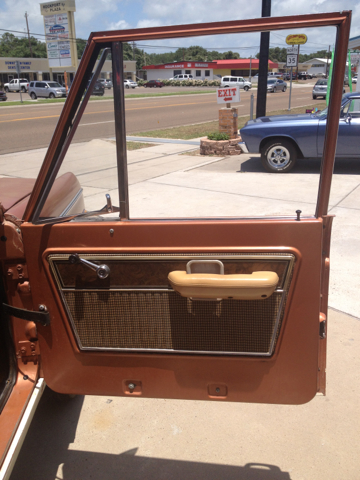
(54, 85)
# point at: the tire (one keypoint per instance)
(314, 97)
(33, 95)
(127, 86)
(51, 95)
(278, 156)
(23, 89)
(6, 89)
(246, 88)
(284, 89)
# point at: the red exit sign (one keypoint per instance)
(228, 95)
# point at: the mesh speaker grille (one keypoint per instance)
(166, 321)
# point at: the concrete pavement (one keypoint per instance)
(108, 437)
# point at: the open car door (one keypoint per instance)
(209, 309)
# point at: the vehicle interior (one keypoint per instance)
(116, 300)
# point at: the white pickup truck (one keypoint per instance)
(17, 84)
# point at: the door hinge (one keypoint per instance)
(28, 351)
(42, 316)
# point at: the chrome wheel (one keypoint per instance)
(278, 157)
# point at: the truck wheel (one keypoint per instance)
(23, 89)
(246, 88)
(6, 89)
(278, 156)
(51, 95)
(33, 95)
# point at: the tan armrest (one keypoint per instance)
(257, 286)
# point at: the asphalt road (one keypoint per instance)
(31, 126)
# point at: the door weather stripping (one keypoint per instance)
(42, 316)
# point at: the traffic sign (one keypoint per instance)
(293, 50)
(291, 60)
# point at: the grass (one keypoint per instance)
(188, 132)
(94, 98)
(138, 145)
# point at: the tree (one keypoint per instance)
(11, 46)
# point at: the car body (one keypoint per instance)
(46, 89)
(282, 139)
(287, 76)
(17, 85)
(130, 84)
(354, 79)
(182, 77)
(3, 96)
(106, 82)
(92, 302)
(232, 81)
(153, 84)
(305, 75)
(320, 88)
(276, 85)
(98, 89)
(275, 75)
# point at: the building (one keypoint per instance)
(38, 69)
(199, 70)
(206, 70)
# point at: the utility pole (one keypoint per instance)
(263, 63)
(327, 62)
(250, 69)
(27, 26)
(31, 53)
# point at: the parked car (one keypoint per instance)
(276, 85)
(282, 139)
(46, 89)
(230, 81)
(275, 75)
(98, 89)
(17, 84)
(107, 83)
(182, 76)
(153, 84)
(320, 88)
(305, 75)
(354, 80)
(130, 84)
(287, 76)
(3, 96)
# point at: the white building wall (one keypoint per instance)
(167, 73)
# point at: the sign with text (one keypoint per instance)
(60, 33)
(296, 39)
(228, 95)
(293, 50)
(291, 60)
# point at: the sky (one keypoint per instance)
(98, 15)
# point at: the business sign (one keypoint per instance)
(296, 39)
(57, 7)
(60, 33)
(228, 95)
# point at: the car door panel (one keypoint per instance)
(135, 329)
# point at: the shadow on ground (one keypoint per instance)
(346, 166)
(46, 448)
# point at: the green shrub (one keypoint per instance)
(218, 136)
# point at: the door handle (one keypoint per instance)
(256, 286)
(102, 271)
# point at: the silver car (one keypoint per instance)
(320, 88)
(276, 85)
(46, 89)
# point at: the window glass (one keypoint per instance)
(198, 73)
(176, 72)
(207, 73)
(188, 72)
(233, 79)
